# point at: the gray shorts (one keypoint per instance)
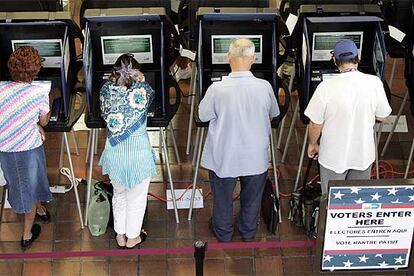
(327, 174)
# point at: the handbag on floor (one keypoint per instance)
(99, 210)
(270, 207)
(304, 204)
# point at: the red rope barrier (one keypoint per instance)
(155, 251)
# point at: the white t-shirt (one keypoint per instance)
(347, 105)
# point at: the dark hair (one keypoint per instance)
(24, 64)
(339, 62)
(128, 60)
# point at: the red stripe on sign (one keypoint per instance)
(156, 251)
(398, 250)
(396, 206)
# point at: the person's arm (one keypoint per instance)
(315, 131)
(315, 112)
(206, 111)
(46, 107)
(274, 107)
(383, 108)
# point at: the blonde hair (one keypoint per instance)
(241, 47)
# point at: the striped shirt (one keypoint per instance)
(131, 161)
(21, 104)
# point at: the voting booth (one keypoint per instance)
(319, 28)
(30, 5)
(49, 33)
(319, 36)
(216, 30)
(192, 7)
(142, 32)
(53, 34)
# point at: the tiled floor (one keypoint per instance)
(64, 233)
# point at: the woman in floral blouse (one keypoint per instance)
(128, 158)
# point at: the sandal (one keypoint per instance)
(143, 236)
(120, 241)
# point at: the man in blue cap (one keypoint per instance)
(342, 112)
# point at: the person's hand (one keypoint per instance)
(313, 151)
(140, 76)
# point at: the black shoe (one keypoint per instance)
(25, 244)
(45, 218)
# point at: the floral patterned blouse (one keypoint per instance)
(124, 109)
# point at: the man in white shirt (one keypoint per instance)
(239, 109)
(342, 112)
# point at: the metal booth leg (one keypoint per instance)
(88, 147)
(302, 155)
(200, 149)
(3, 199)
(75, 187)
(196, 146)
(75, 142)
(165, 151)
(177, 154)
(92, 135)
(272, 150)
(62, 151)
(410, 157)
(377, 133)
(193, 83)
(291, 128)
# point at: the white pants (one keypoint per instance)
(129, 208)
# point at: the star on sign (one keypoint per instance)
(383, 264)
(399, 260)
(409, 188)
(378, 255)
(338, 195)
(359, 201)
(347, 264)
(327, 258)
(355, 190)
(363, 259)
(411, 198)
(392, 191)
(376, 197)
(396, 201)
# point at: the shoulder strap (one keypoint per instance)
(305, 179)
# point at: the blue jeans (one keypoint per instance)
(250, 201)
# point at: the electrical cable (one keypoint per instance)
(66, 172)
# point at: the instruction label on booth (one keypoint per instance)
(368, 227)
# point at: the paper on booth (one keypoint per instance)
(291, 22)
(396, 33)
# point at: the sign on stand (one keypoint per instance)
(367, 225)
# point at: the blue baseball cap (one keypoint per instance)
(345, 49)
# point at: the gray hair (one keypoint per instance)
(241, 47)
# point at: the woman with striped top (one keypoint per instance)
(24, 108)
(128, 158)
